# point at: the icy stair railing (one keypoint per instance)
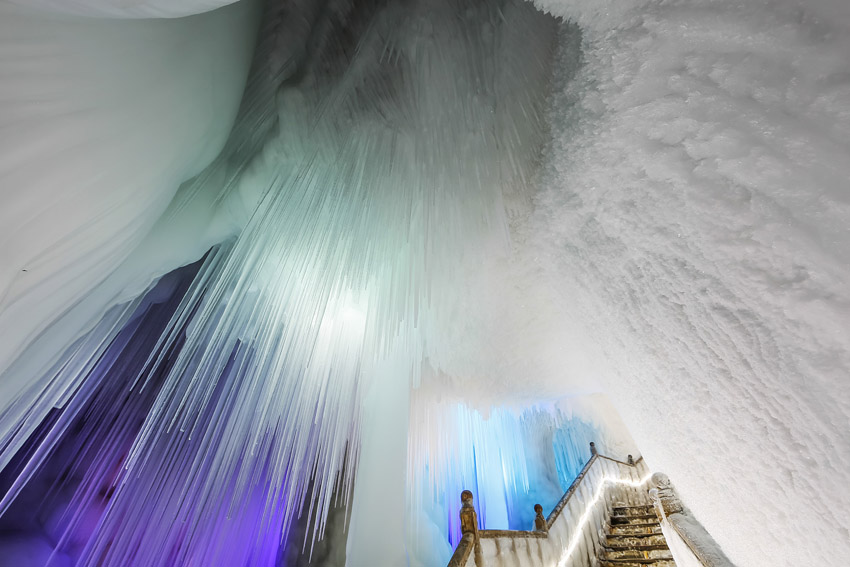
(571, 535)
(689, 542)
(568, 537)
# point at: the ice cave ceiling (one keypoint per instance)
(266, 258)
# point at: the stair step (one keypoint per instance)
(634, 537)
(616, 518)
(634, 540)
(632, 511)
(640, 536)
(633, 563)
(631, 529)
(639, 546)
(635, 555)
(635, 529)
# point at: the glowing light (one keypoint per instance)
(352, 315)
(578, 533)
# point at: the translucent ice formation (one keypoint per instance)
(360, 221)
(510, 460)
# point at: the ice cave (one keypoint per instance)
(378, 283)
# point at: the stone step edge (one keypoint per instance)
(635, 560)
(649, 547)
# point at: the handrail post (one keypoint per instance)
(468, 516)
(540, 524)
(664, 498)
(593, 448)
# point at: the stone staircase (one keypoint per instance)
(633, 535)
(605, 519)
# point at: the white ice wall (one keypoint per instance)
(100, 121)
(123, 9)
(696, 214)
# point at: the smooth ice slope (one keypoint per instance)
(697, 213)
(123, 9)
(100, 122)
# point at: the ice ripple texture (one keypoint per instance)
(697, 211)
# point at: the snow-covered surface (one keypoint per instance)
(696, 212)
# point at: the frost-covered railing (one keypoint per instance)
(569, 535)
(689, 542)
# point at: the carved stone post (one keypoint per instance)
(631, 460)
(664, 497)
(592, 448)
(539, 521)
(468, 517)
(673, 516)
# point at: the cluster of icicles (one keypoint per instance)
(206, 418)
(511, 461)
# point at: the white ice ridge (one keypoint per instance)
(100, 121)
(696, 212)
(122, 9)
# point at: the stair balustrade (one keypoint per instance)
(607, 518)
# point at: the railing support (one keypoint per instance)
(469, 541)
(468, 516)
(540, 524)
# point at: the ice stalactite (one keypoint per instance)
(401, 137)
(56, 488)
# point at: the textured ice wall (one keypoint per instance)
(696, 213)
(100, 121)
